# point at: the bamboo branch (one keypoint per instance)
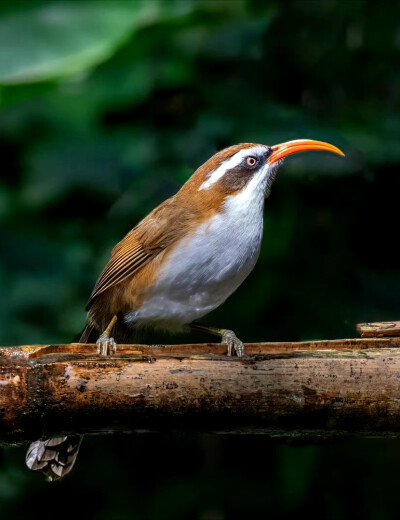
(330, 386)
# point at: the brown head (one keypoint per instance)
(232, 169)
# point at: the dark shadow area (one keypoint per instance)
(209, 477)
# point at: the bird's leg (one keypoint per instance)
(227, 336)
(105, 342)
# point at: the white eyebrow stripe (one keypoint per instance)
(230, 163)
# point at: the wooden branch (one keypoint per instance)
(379, 329)
(277, 388)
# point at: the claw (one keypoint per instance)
(233, 342)
(104, 344)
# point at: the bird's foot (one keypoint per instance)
(228, 337)
(104, 344)
(233, 342)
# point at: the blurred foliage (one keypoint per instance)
(107, 107)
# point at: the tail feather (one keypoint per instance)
(55, 457)
(89, 335)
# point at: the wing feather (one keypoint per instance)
(124, 262)
(151, 236)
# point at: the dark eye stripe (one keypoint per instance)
(236, 178)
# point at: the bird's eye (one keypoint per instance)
(251, 161)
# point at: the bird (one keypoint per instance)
(181, 262)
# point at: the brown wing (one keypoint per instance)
(151, 236)
(127, 257)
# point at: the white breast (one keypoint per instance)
(201, 272)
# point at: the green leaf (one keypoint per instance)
(54, 40)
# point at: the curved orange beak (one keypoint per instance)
(280, 151)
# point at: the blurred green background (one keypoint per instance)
(106, 108)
